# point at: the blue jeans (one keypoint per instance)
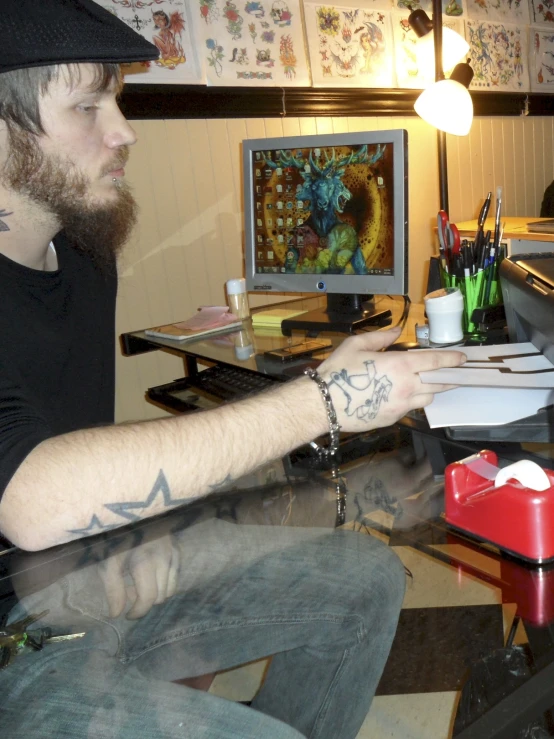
(325, 603)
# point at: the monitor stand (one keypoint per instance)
(344, 313)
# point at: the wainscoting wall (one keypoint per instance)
(186, 175)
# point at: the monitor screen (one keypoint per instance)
(327, 213)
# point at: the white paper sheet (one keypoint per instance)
(498, 366)
(479, 406)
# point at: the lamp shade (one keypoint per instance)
(447, 104)
(454, 48)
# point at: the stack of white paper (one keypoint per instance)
(498, 384)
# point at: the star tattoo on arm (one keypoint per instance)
(135, 510)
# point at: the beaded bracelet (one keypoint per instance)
(334, 427)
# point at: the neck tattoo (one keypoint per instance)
(3, 214)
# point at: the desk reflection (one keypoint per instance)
(257, 571)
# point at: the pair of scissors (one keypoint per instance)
(449, 237)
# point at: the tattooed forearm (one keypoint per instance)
(158, 498)
(364, 393)
(3, 214)
(225, 483)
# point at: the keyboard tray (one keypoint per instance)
(210, 388)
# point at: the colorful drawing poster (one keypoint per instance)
(253, 43)
(168, 24)
(349, 46)
(541, 59)
(498, 54)
(451, 8)
(408, 73)
(542, 11)
(507, 11)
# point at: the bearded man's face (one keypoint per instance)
(75, 170)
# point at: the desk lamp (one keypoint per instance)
(448, 115)
(454, 46)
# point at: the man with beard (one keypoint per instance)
(67, 472)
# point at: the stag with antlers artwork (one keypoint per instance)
(340, 213)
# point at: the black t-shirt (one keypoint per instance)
(57, 354)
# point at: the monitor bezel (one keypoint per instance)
(396, 284)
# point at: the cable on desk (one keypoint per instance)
(401, 321)
(405, 312)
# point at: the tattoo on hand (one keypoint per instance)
(363, 393)
(3, 214)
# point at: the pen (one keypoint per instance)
(482, 218)
(484, 211)
(492, 268)
(497, 217)
(484, 251)
(466, 256)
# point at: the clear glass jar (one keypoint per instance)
(237, 298)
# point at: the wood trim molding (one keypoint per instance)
(156, 102)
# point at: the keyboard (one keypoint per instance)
(210, 387)
(231, 383)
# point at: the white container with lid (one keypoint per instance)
(444, 310)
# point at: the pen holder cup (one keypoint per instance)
(478, 290)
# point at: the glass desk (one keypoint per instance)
(442, 446)
(230, 570)
(229, 348)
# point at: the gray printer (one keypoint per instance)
(527, 282)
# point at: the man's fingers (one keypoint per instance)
(428, 387)
(374, 341)
(111, 575)
(146, 585)
(163, 569)
(429, 359)
(423, 399)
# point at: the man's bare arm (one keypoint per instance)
(87, 481)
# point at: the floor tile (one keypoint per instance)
(435, 584)
(415, 716)
(240, 684)
(434, 647)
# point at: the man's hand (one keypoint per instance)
(142, 577)
(371, 388)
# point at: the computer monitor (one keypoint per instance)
(328, 214)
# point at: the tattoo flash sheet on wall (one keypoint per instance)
(349, 46)
(541, 58)
(498, 54)
(542, 11)
(450, 8)
(168, 24)
(408, 73)
(246, 43)
(508, 11)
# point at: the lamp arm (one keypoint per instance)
(439, 75)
